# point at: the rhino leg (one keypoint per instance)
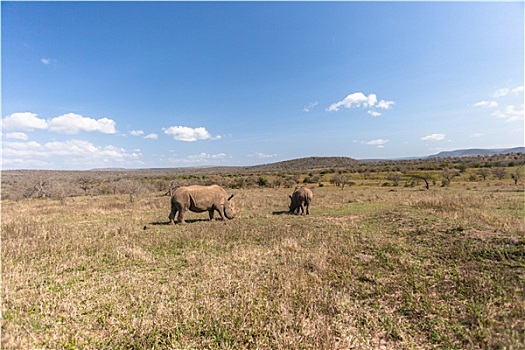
(307, 208)
(172, 215)
(211, 212)
(181, 216)
(220, 210)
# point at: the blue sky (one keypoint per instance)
(168, 84)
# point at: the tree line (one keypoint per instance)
(19, 184)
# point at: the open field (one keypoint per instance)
(371, 267)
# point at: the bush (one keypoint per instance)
(262, 182)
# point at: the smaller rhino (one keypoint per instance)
(300, 198)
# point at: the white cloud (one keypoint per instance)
(505, 96)
(218, 156)
(48, 61)
(518, 89)
(433, 137)
(67, 124)
(72, 123)
(354, 100)
(477, 135)
(360, 100)
(261, 155)
(71, 150)
(151, 136)
(505, 91)
(25, 121)
(501, 92)
(380, 143)
(374, 113)
(510, 113)
(184, 133)
(22, 149)
(200, 159)
(385, 104)
(486, 104)
(16, 136)
(310, 106)
(17, 163)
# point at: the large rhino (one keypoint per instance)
(200, 199)
(300, 198)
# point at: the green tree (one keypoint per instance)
(500, 173)
(483, 172)
(448, 174)
(426, 177)
(394, 177)
(262, 182)
(516, 175)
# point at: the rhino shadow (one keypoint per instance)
(188, 221)
(281, 212)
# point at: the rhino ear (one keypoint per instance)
(230, 197)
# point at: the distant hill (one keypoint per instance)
(477, 152)
(306, 163)
(312, 163)
(342, 162)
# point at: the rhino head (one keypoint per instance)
(293, 207)
(229, 210)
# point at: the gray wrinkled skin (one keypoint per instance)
(301, 198)
(199, 199)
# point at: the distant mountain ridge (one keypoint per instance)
(325, 162)
(335, 162)
(473, 152)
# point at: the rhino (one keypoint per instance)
(199, 199)
(300, 198)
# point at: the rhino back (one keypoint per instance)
(302, 194)
(309, 194)
(200, 197)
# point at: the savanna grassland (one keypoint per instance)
(374, 266)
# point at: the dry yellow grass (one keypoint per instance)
(370, 268)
